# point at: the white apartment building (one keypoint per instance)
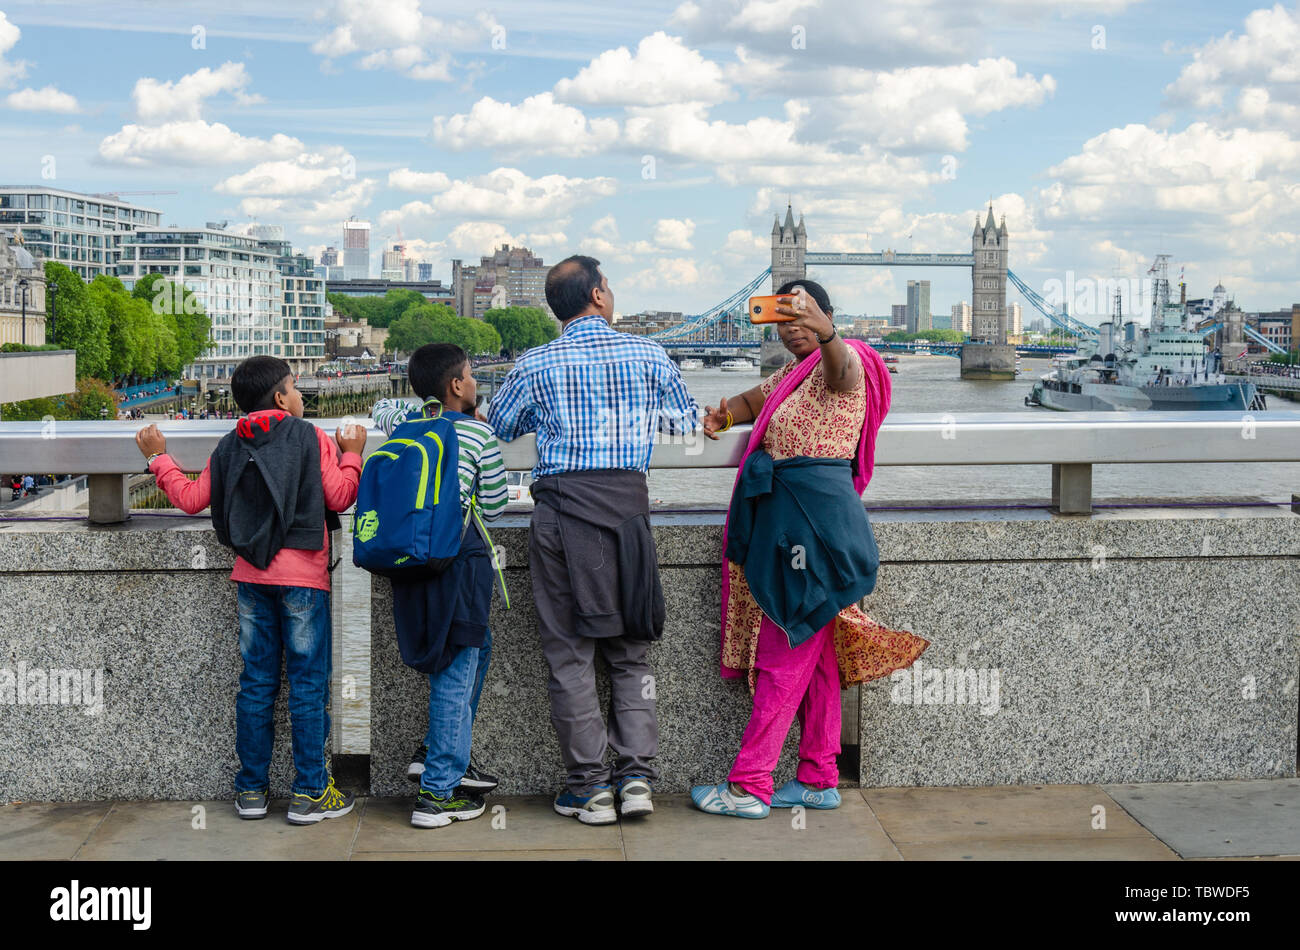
(235, 279)
(82, 231)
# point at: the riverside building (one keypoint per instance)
(83, 231)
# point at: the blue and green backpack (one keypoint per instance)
(408, 521)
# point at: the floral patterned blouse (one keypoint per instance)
(818, 422)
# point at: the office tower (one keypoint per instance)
(918, 306)
(356, 249)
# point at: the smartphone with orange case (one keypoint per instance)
(763, 309)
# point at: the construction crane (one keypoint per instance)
(119, 194)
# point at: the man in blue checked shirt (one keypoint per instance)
(596, 398)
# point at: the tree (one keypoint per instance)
(521, 328)
(190, 325)
(80, 321)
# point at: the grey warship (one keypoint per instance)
(1165, 367)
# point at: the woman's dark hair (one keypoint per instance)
(569, 285)
(432, 368)
(255, 382)
(815, 290)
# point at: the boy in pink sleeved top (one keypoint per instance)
(269, 484)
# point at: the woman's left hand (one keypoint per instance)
(805, 311)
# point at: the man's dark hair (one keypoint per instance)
(256, 380)
(432, 368)
(815, 290)
(569, 285)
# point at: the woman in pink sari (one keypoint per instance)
(828, 404)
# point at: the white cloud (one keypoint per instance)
(307, 173)
(45, 99)
(314, 214)
(157, 102)
(537, 126)
(924, 107)
(674, 234)
(191, 143)
(663, 70)
(398, 35)
(885, 33)
(1267, 52)
(503, 195)
(10, 71)
(404, 179)
(670, 276)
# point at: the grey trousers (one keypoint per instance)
(633, 731)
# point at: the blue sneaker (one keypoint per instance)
(634, 796)
(595, 809)
(795, 792)
(721, 800)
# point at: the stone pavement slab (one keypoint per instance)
(679, 831)
(47, 831)
(151, 831)
(1218, 819)
(1038, 822)
(612, 854)
(509, 826)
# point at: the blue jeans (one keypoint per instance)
(295, 622)
(453, 704)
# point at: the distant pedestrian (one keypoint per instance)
(29, 484)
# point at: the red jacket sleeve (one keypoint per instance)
(339, 476)
(189, 496)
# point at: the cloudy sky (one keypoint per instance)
(662, 137)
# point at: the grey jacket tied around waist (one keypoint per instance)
(266, 488)
(604, 522)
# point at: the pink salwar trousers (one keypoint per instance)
(802, 682)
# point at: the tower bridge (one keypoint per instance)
(986, 354)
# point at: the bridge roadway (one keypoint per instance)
(1102, 646)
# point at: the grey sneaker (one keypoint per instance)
(595, 809)
(332, 803)
(634, 797)
(251, 805)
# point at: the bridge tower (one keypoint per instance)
(989, 281)
(789, 242)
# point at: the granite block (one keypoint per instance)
(701, 717)
(1141, 670)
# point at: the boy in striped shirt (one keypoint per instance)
(455, 605)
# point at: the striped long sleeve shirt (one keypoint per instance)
(595, 397)
(479, 452)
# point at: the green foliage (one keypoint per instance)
(438, 323)
(377, 311)
(91, 396)
(19, 348)
(80, 322)
(521, 328)
(156, 329)
(934, 336)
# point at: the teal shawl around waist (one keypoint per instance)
(800, 532)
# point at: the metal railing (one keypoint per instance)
(1072, 443)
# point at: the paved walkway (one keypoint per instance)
(1193, 821)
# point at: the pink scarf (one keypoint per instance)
(879, 391)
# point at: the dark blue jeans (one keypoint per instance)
(453, 704)
(295, 622)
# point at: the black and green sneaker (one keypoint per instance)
(434, 812)
(251, 805)
(332, 803)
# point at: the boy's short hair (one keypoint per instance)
(256, 380)
(432, 368)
